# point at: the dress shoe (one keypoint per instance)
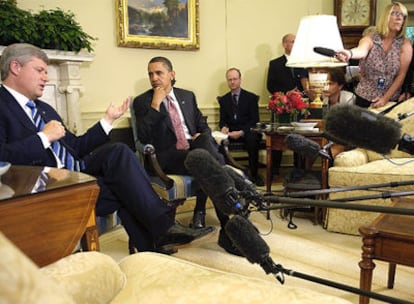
(166, 249)
(225, 243)
(199, 220)
(177, 234)
(258, 181)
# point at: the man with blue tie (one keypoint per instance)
(32, 133)
(239, 113)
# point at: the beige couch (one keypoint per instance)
(364, 167)
(93, 277)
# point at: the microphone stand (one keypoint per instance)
(405, 115)
(331, 204)
(350, 188)
(279, 269)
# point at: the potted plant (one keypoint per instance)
(47, 29)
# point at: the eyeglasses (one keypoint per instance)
(397, 14)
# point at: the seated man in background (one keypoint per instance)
(32, 133)
(239, 112)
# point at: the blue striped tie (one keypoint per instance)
(60, 151)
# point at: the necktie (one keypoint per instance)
(41, 182)
(60, 151)
(182, 143)
(234, 106)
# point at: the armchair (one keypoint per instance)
(173, 189)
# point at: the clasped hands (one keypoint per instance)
(231, 134)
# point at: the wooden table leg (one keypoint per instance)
(269, 176)
(366, 264)
(391, 275)
(90, 239)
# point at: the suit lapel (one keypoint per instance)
(17, 110)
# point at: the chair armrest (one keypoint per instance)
(151, 156)
(351, 158)
(224, 144)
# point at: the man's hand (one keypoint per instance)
(235, 134)
(114, 112)
(54, 130)
(225, 130)
(158, 97)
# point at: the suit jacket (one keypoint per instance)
(247, 111)
(281, 78)
(156, 128)
(20, 145)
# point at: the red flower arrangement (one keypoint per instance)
(290, 103)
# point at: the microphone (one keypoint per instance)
(324, 51)
(246, 188)
(305, 146)
(354, 126)
(245, 237)
(214, 181)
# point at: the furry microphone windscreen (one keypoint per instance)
(211, 177)
(302, 145)
(246, 238)
(354, 126)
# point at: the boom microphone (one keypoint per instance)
(302, 145)
(246, 188)
(245, 237)
(214, 181)
(324, 51)
(354, 126)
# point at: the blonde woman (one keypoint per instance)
(385, 56)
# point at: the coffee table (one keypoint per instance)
(48, 224)
(388, 238)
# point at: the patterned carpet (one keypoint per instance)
(309, 250)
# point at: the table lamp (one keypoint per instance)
(319, 31)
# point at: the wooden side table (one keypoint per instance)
(389, 238)
(275, 140)
(47, 225)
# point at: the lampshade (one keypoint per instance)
(316, 31)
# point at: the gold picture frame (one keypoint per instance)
(158, 24)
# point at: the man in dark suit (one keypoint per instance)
(156, 125)
(239, 112)
(27, 138)
(281, 78)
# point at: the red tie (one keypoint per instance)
(182, 143)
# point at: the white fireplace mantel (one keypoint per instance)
(65, 86)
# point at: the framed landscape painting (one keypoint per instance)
(158, 24)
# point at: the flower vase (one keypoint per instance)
(284, 118)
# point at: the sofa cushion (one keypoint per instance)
(374, 172)
(22, 282)
(89, 277)
(155, 278)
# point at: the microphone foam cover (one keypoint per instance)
(302, 145)
(211, 177)
(245, 237)
(354, 126)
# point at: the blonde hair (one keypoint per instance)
(382, 26)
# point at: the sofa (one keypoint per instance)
(93, 277)
(363, 167)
